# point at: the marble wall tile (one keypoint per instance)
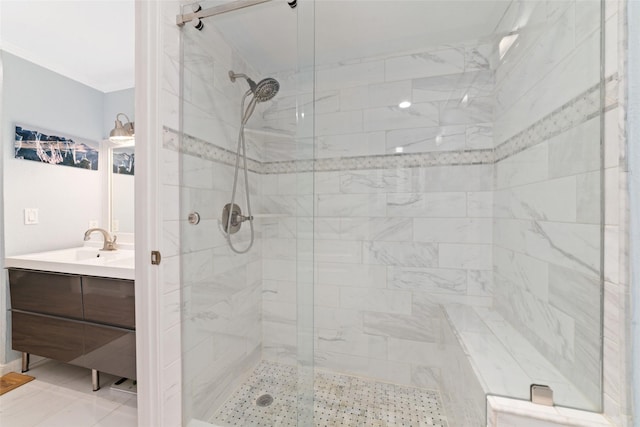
(354, 97)
(279, 312)
(350, 75)
(441, 62)
(286, 106)
(420, 140)
(549, 200)
(405, 254)
(379, 300)
(343, 122)
(276, 269)
(432, 280)
(453, 86)
(389, 94)
(416, 327)
(547, 327)
(480, 283)
(578, 295)
(441, 205)
(383, 370)
(417, 352)
(327, 229)
(326, 295)
(480, 57)
(451, 230)
(526, 167)
(612, 133)
(425, 114)
(575, 151)
(611, 196)
(457, 178)
(351, 205)
(523, 271)
(361, 275)
(336, 318)
(351, 342)
(547, 45)
(480, 136)
(377, 229)
(277, 290)
(338, 251)
(279, 249)
(480, 204)
(477, 257)
(378, 181)
(350, 145)
(467, 110)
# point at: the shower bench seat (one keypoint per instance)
(504, 362)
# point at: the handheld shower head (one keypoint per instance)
(264, 90)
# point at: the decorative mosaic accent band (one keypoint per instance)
(200, 148)
(386, 161)
(579, 110)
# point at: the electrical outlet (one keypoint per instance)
(115, 225)
(30, 216)
(93, 223)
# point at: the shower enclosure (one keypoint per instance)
(425, 224)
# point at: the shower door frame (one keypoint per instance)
(151, 377)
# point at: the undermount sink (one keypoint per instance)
(75, 255)
(81, 260)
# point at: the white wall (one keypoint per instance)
(120, 101)
(67, 198)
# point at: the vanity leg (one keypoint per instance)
(25, 361)
(95, 379)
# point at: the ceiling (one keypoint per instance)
(90, 41)
(266, 35)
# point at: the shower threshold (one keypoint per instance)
(338, 400)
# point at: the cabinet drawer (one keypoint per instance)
(45, 336)
(109, 301)
(111, 350)
(47, 293)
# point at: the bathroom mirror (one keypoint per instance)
(122, 189)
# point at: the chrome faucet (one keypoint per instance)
(109, 242)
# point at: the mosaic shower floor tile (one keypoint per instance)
(339, 400)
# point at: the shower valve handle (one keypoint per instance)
(237, 218)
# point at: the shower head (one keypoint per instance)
(264, 90)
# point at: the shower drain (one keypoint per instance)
(264, 400)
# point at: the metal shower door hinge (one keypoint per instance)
(156, 257)
(541, 394)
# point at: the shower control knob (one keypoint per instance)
(194, 218)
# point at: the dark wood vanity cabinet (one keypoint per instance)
(82, 320)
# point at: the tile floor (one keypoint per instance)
(61, 396)
(339, 400)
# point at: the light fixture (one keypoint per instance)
(121, 134)
(404, 104)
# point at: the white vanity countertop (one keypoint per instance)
(88, 260)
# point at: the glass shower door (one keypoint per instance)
(247, 349)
